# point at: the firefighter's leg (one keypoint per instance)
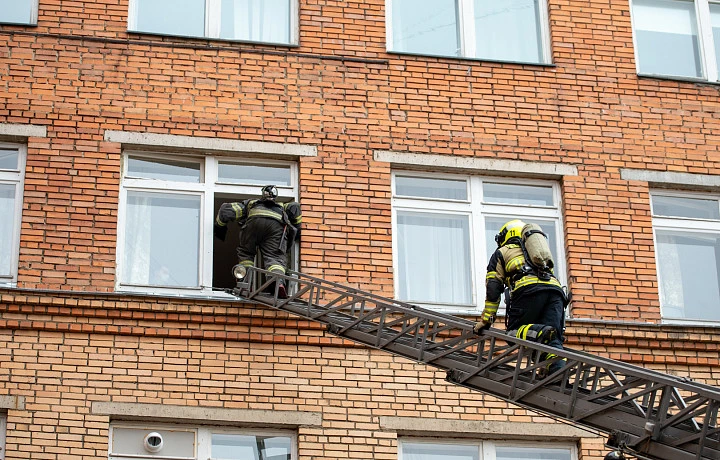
(247, 248)
(552, 315)
(274, 259)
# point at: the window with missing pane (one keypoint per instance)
(687, 247)
(168, 206)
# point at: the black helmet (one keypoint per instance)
(269, 192)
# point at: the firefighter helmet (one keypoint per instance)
(511, 229)
(269, 192)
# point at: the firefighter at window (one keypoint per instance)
(534, 298)
(265, 224)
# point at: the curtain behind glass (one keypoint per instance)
(434, 258)
(16, 11)
(426, 27)
(427, 451)
(256, 20)
(688, 272)
(508, 30)
(172, 17)
(9, 159)
(7, 227)
(667, 38)
(531, 453)
(162, 239)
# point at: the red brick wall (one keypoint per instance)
(80, 73)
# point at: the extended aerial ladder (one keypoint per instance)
(645, 413)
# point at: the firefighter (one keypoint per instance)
(265, 224)
(535, 304)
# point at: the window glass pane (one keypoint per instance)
(693, 208)
(508, 30)
(667, 38)
(253, 174)
(7, 226)
(530, 195)
(257, 20)
(425, 27)
(426, 451)
(16, 11)
(431, 188)
(715, 20)
(171, 170)
(157, 226)
(688, 272)
(9, 159)
(171, 17)
(534, 453)
(240, 447)
(434, 258)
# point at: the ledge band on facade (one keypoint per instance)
(12, 402)
(668, 179)
(19, 130)
(166, 141)
(416, 426)
(490, 165)
(267, 418)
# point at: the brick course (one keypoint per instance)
(80, 73)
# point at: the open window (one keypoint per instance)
(168, 207)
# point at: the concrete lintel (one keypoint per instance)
(489, 165)
(670, 179)
(20, 130)
(165, 141)
(268, 418)
(12, 402)
(416, 426)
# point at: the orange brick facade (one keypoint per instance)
(69, 340)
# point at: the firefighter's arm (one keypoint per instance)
(295, 215)
(229, 212)
(493, 289)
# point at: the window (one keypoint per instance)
(168, 206)
(687, 247)
(677, 38)
(158, 441)
(511, 30)
(473, 450)
(19, 12)
(444, 230)
(12, 167)
(268, 21)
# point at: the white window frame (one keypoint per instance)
(212, 23)
(203, 437)
(477, 210)
(686, 225)
(3, 434)
(467, 33)
(487, 449)
(33, 16)
(207, 188)
(15, 177)
(705, 36)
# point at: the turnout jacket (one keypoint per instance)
(507, 267)
(286, 213)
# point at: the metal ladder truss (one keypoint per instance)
(646, 414)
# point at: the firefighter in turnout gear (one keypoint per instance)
(535, 302)
(265, 224)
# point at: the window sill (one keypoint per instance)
(21, 24)
(678, 79)
(473, 59)
(141, 33)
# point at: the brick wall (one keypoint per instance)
(79, 73)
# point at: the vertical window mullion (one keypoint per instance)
(466, 23)
(707, 45)
(206, 222)
(544, 18)
(479, 259)
(212, 18)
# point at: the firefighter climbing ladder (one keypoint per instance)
(647, 414)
